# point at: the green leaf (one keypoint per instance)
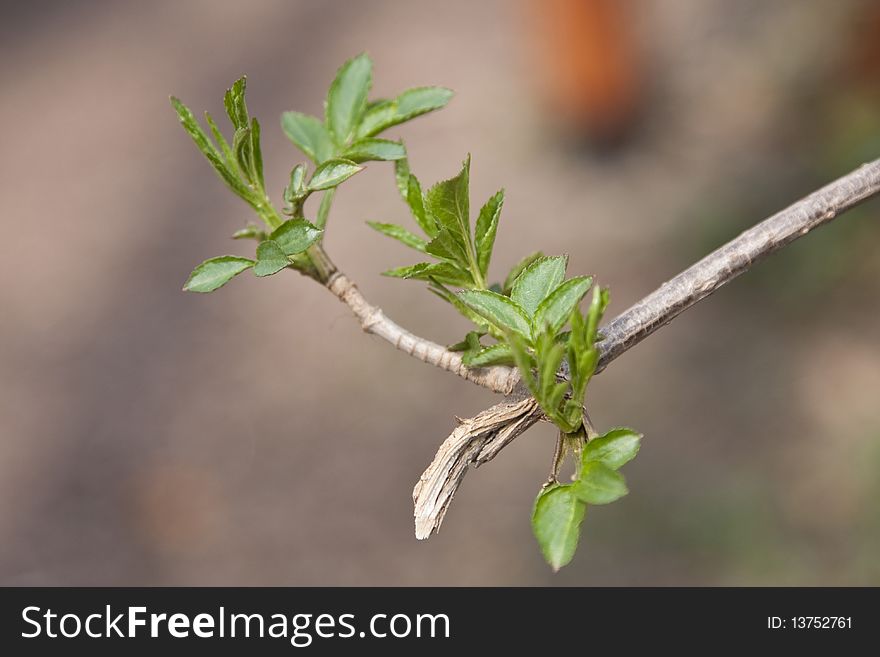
(270, 259)
(256, 155)
(517, 270)
(471, 342)
(347, 98)
(324, 208)
(420, 100)
(407, 272)
(234, 103)
(598, 305)
(309, 135)
(498, 310)
(446, 247)
(599, 484)
(525, 363)
(250, 232)
(426, 271)
(401, 177)
(215, 273)
(296, 188)
(556, 523)
(399, 233)
(416, 202)
(549, 355)
(446, 273)
(378, 116)
(613, 449)
(497, 354)
(201, 140)
(408, 105)
(375, 149)
(537, 281)
(447, 202)
(228, 155)
(556, 308)
(487, 226)
(295, 236)
(333, 172)
(241, 147)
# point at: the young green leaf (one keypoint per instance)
(270, 259)
(556, 523)
(497, 354)
(420, 100)
(332, 172)
(256, 155)
(416, 202)
(599, 484)
(517, 270)
(537, 281)
(201, 140)
(347, 98)
(241, 147)
(549, 355)
(446, 273)
(228, 155)
(399, 233)
(613, 449)
(407, 272)
(471, 342)
(233, 101)
(309, 135)
(594, 314)
(250, 232)
(556, 308)
(296, 188)
(378, 116)
(447, 202)
(401, 177)
(215, 273)
(498, 310)
(440, 272)
(487, 226)
(447, 247)
(408, 105)
(295, 236)
(525, 362)
(364, 150)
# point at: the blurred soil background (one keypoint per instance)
(255, 436)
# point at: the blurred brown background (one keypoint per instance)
(256, 436)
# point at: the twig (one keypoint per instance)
(499, 379)
(737, 256)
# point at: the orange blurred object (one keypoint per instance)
(588, 65)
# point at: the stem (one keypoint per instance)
(497, 378)
(734, 258)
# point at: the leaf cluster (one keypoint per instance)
(560, 508)
(336, 145)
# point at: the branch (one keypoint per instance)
(498, 378)
(734, 258)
